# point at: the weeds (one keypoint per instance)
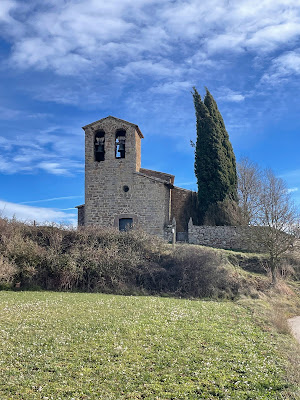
(108, 261)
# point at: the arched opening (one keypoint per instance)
(120, 143)
(99, 145)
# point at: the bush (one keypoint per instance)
(109, 261)
(8, 271)
(201, 273)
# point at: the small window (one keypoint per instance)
(99, 146)
(125, 224)
(120, 143)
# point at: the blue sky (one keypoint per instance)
(67, 63)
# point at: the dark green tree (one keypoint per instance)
(215, 165)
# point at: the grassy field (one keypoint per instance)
(93, 346)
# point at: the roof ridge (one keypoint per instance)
(118, 119)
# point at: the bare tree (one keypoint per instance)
(249, 187)
(276, 219)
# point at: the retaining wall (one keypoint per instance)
(224, 237)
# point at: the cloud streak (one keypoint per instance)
(38, 214)
(47, 151)
(283, 67)
(292, 190)
(52, 199)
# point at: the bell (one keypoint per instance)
(100, 148)
(121, 147)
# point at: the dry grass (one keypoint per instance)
(108, 261)
(280, 322)
(8, 270)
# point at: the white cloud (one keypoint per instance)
(172, 87)
(53, 168)
(33, 52)
(71, 37)
(146, 67)
(284, 66)
(272, 36)
(47, 150)
(52, 199)
(8, 113)
(39, 214)
(227, 94)
(256, 25)
(6, 6)
(292, 190)
(226, 41)
(5, 165)
(12, 114)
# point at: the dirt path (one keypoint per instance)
(295, 326)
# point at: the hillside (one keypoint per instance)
(102, 346)
(95, 260)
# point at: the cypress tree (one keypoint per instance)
(215, 166)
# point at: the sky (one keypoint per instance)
(67, 63)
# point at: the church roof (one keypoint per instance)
(117, 119)
(168, 178)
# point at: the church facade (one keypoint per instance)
(118, 192)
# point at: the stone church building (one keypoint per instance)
(118, 192)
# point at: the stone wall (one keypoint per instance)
(114, 188)
(182, 207)
(224, 237)
(168, 231)
(80, 215)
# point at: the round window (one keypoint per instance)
(125, 188)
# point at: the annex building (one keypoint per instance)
(118, 192)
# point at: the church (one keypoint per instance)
(121, 194)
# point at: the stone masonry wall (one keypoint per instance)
(146, 201)
(181, 207)
(81, 215)
(224, 237)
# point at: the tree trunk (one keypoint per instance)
(274, 276)
(273, 271)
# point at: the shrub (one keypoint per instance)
(200, 273)
(8, 271)
(106, 260)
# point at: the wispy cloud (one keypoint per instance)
(47, 150)
(295, 173)
(284, 66)
(53, 168)
(53, 199)
(172, 87)
(6, 6)
(13, 114)
(161, 69)
(8, 113)
(227, 94)
(292, 190)
(39, 214)
(64, 92)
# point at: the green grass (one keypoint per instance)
(93, 346)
